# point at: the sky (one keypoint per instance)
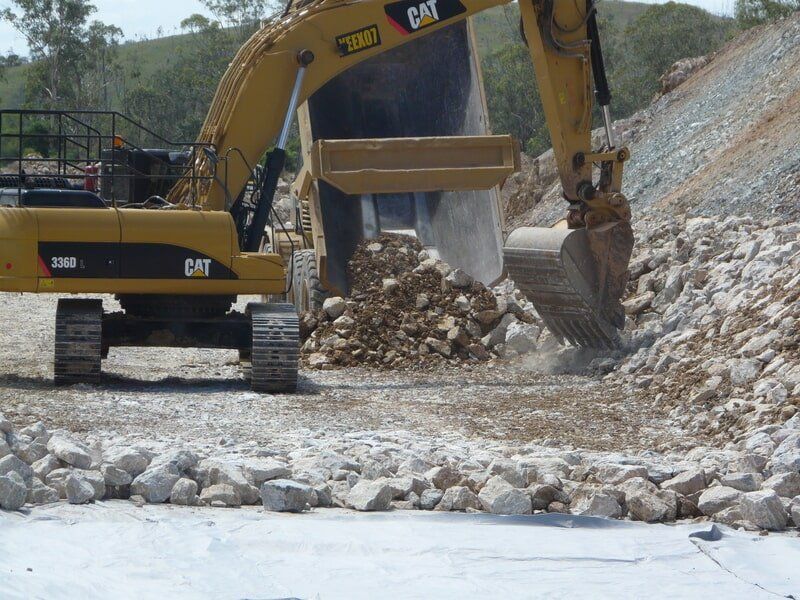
(142, 18)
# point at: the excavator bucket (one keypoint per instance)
(575, 279)
(430, 87)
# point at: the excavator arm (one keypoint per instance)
(576, 274)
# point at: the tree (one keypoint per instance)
(243, 17)
(755, 12)
(653, 42)
(513, 98)
(54, 31)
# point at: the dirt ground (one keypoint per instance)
(199, 397)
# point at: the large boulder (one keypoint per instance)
(765, 510)
(12, 464)
(718, 498)
(41, 493)
(155, 485)
(458, 498)
(220, 472)
(651, 508)
(615, 474)
(78, 490)
(686, 483)
(786, 485)
(501, 498)
(184, 492)
(595, 503)
(70, 452)
(131, 460)
(283, 495)
(370, 496)
(13, 491)
(221, 495)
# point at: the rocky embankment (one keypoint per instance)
(757, 487)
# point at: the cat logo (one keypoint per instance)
(409, 16)
(197, 267)
(356, 41)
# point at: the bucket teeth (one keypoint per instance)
(557, 272)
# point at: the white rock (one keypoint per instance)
(184, 492)
(221, 472)
(686, 483)
(744, 482)
(651, 508)
(78, 490)
(370, 496)
(114, 476)
(457, 498)
(43, 467)
(459, 279)
(430, 498)
(259, 470)
(765, 510)
(69, 451)
(443, 477)
(13, 491)
(131, 460)
(335, 307)
(521, 337)
(500, 498)
(786, 457)
(744, 370)
(615, 474)
(11, 463)
(718, 498)
(221, 495)
(155, 485)
(596, 503)
(283, 495)
(41, 493)
(786, 485)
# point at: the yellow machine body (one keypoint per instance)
(128, 251)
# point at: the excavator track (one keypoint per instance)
(275, 351)
(556, 271)
(78, 348)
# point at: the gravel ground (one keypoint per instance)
(198, 397)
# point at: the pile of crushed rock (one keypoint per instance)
(754, 485)
(407, 308)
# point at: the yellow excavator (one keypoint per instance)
(177, 236)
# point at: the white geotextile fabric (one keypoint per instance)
(114, 550)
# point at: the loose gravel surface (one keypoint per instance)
(199, 397)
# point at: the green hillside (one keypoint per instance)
(495, 28)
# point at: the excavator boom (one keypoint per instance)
(575, 279)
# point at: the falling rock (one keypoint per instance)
(786, 485)
(221, 495)
(521, 337)
(41, 493)
(78, 490)
(43, 467)
(596, 503)
(155, 485)
(370, 496)
(11, 463)
(686, 483)
(114, 476)
(744, 482)
(718, 498)
(184, 492)
(334, 307)
(765, 510)
(129, 460)
(650, 508)
(429, 499)
(458, 498)
(70, 452)
(13, 491)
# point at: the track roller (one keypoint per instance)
(79, 336)
(276, 347)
